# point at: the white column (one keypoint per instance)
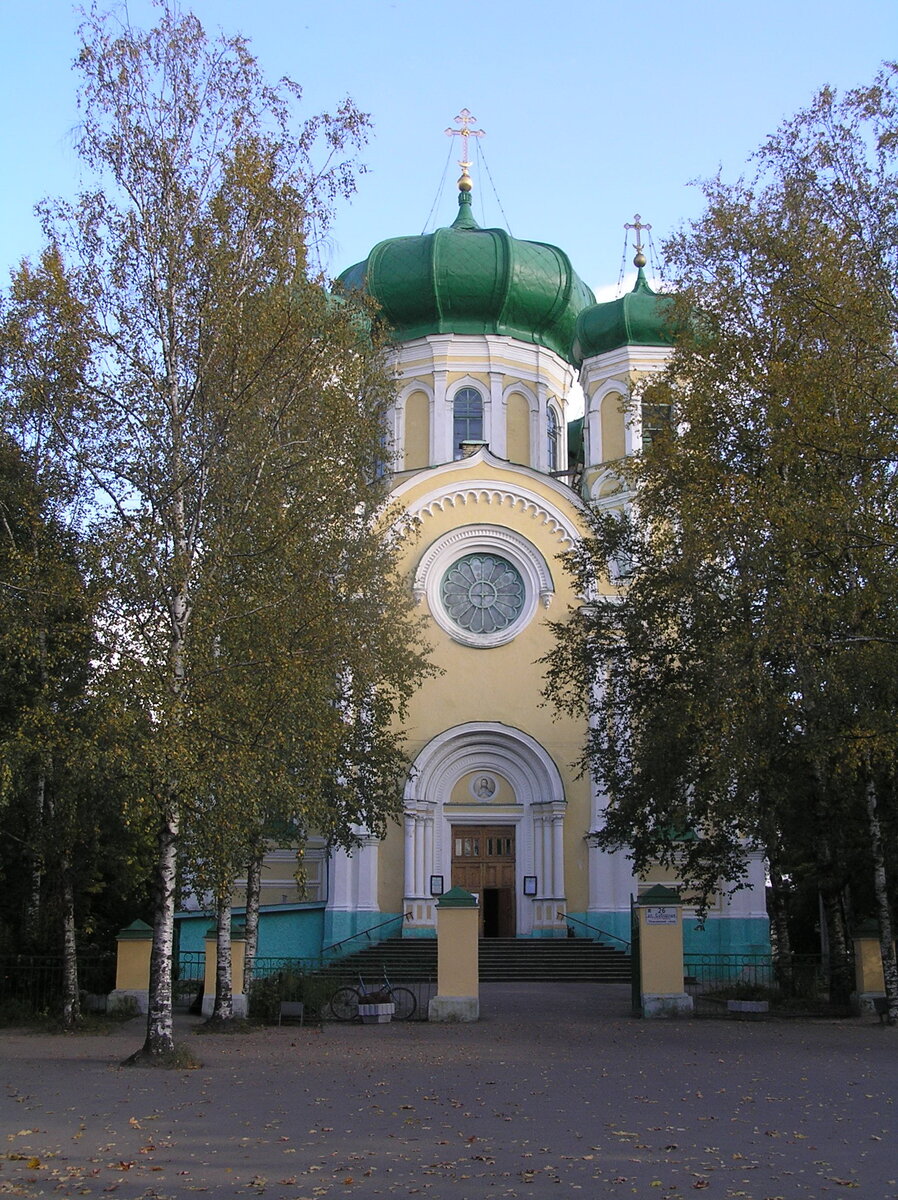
(558, 855)
(593, 449)
(341, 889)
(548, 861)
(428, 853)
(419, 856)
(632, 427)
(441, 449)
(498, 421)
(409, 867)
(366, 867)
(539, 450)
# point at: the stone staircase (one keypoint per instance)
(501, 960)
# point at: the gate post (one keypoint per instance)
(660, 915)
(132, 965)
(869, 980)
(458, 980)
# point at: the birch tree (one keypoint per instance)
(228, 418)
(748, 667)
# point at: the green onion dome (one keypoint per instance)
(640, 318)
(469, 280)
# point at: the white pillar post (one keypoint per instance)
(441, 448)
(409, 862)
(366, 856)
(498, 426)
(558, 855)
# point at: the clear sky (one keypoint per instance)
(593, 110)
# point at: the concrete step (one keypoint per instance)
(501, 960)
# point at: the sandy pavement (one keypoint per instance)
(556, 1092)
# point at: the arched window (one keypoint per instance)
(553, 440)
(467, 418)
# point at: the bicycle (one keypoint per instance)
(344, 1003)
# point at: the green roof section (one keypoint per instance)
(467, 280)
(457, 897)
(640, 318)
(136, 931)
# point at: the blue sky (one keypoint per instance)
(593, 110)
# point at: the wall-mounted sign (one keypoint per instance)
(660, 916)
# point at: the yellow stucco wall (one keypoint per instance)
(613, 444)
(417, 430)
(518, 429)
(502, 684)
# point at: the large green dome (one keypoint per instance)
(469, 280)
(640, 318)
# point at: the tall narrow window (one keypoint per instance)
(553, 439)
(467, 418)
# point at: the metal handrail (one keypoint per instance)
(594, 928)
(365, 933)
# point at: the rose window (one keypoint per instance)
(483, 593)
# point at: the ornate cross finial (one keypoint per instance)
(638, 225)
(465, 120)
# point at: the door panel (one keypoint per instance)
(483, 862)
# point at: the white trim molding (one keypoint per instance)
(539, 587)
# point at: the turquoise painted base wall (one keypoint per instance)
(720, 935)
(285, 930)
(344, 932)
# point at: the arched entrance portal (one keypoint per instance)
(484, 809)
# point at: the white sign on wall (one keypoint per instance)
(660, 916)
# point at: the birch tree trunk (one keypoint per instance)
(71, 1005)
(780, 922)
(35, 860)
(840, 974)
(883, 910)
(253, 891)
(160, 1034)
(223, 1008)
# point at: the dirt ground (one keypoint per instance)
(556, 1091)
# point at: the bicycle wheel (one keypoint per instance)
(405, 1003)
(344, 1004)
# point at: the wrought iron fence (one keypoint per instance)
(187, 979)
(308, 980)
(712, 980)
(31, 985)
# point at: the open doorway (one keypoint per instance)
(483, 861)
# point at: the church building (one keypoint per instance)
(492, 337)
(492, 334)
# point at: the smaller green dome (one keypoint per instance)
(640, 318)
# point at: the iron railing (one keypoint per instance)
(594, 931)
(365, 933)
(31, 985)
(793, 982)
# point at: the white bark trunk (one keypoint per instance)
(223, 1008)
(71, 1004)
(160, 1033)
(883, 910)
(253, 892)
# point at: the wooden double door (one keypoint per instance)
(483, 861)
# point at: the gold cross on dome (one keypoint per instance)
(465, 119)
(638, 224)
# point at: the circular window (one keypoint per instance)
(483, 593)
(483, 584)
